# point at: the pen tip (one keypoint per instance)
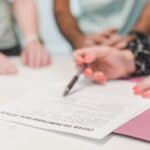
(66, 92)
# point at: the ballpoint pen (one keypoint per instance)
(74, 80)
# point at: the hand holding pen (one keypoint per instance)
(83, 61)
(105, 63)
(90, 57)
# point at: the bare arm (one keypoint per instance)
(26, 17)
(143, 23)
(34, 53)
(67, 23)
(70, 29)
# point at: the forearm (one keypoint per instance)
(26, 17)
(67, 23)
(143, 23)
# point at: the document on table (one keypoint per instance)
(92, 111)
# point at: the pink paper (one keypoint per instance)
(138, 128)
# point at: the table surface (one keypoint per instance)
(18, 137)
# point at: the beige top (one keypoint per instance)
(7, 33)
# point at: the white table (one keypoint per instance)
(18, 137)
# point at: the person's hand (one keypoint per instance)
(143, 88)
(108, 37)
(6, 66)
(35, 55)
(105, 63)
(122, 42)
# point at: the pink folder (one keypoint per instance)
(138, 128)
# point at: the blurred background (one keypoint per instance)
(49, 31)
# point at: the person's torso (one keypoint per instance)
(96, 15)
(7, 33)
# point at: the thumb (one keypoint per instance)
(85, 55)
(90, 55)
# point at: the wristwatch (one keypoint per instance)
(32, 38)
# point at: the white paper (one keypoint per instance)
(91, 111)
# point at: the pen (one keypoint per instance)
(74, 80)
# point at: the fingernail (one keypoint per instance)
(88, 72)
(79, 61)
(100, 78)
(102, 81)
(136, 90)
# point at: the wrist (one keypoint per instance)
(130, 59)
(78, 41)
(33, 38)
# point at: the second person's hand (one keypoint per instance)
(35, 55)
(143, 88)
(105, 63)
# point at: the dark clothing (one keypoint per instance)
(140, 47)
(14, 51)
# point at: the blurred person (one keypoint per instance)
(99, 21)
(34, 54)
(108, 63)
